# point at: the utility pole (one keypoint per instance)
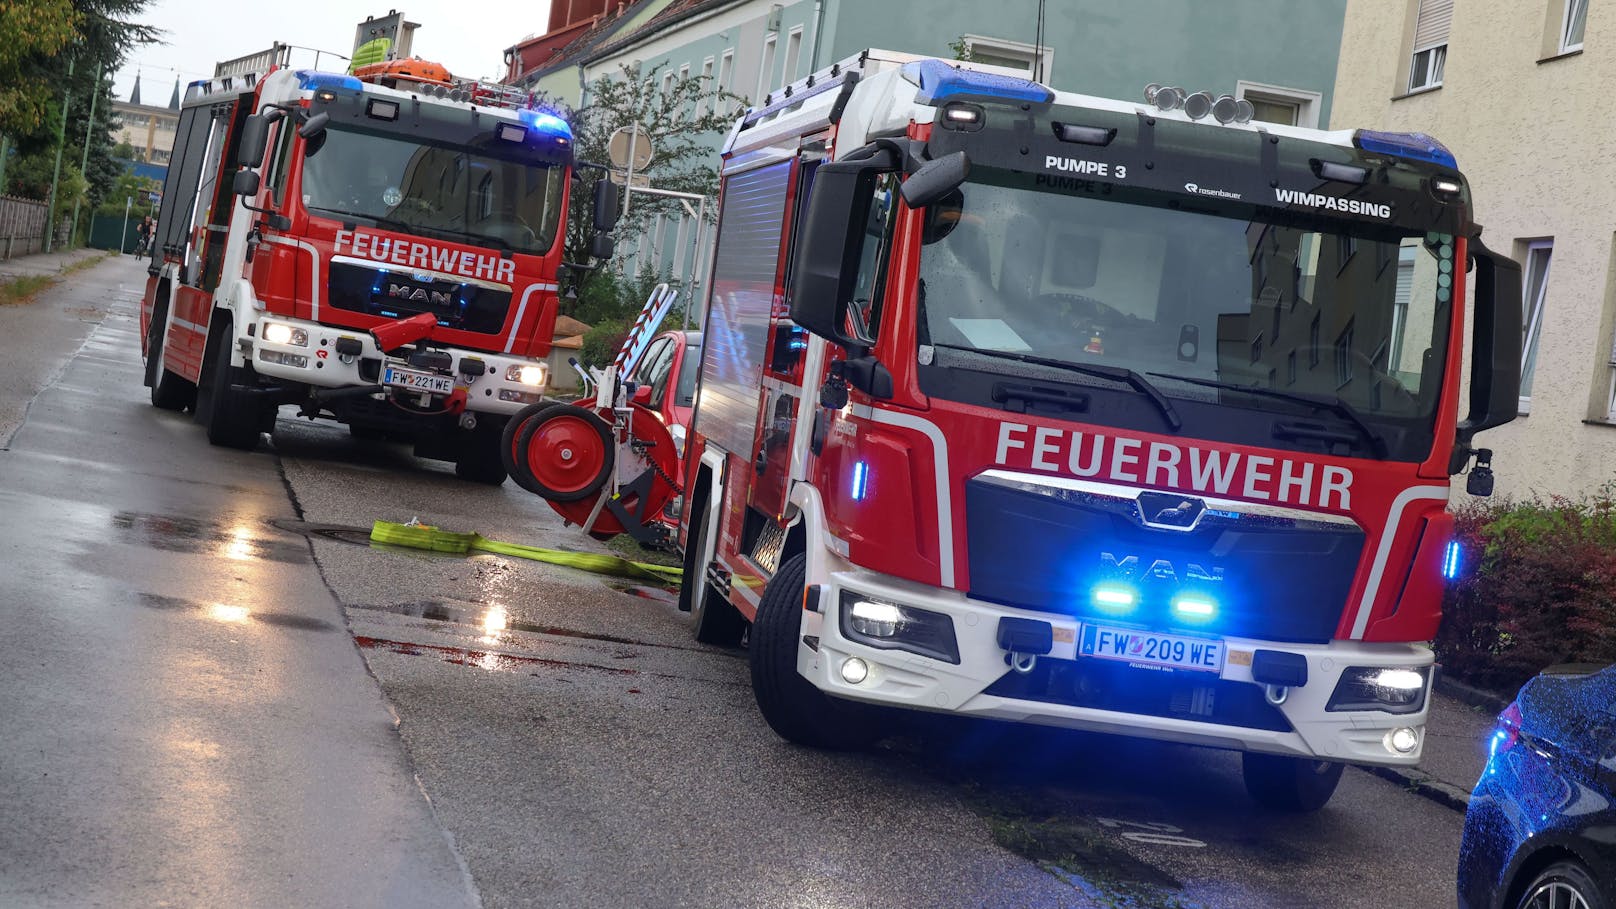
(5, 152)
(123, 238)
(84, 165)
(56, 176)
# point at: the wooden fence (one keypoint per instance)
(22, 226)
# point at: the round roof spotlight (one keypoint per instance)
(1223, 109)
(1198, 105)
(1169, 98)
(1150, 92)
(1244, 111)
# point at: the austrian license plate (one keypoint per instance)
(418, 381)
(1150, 649)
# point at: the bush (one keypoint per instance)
(602, 342)
(1539, 589)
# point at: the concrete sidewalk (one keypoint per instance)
(51, 263)
(1456, 737)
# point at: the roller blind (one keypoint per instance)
(1431, 25)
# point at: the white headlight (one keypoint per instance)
(1400, 679)
(534, 375)
(281, 333)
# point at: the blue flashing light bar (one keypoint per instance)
(1195, 608)
(1450, 560)
(861, 480)
(546, 123)
(313, 80)
(938, 82)
(1417, 146)
(1114, 599)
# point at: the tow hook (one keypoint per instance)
(468, 420)
(1024, 641)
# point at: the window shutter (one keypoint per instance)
(1431, 25)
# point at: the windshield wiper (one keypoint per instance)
(1332, 403)
(1115, 373)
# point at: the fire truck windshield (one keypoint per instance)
(434, 190)
(1206, 296)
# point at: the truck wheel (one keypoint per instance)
(1289, 783)
(168, 391)
(233, 419)
(567, 450)
(793, 707)
(479, 460)
(715, 619)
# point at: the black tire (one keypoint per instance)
(548, 417)
(507, 444)
(794, 708)
(1563, 879)
(168, 390)
(714, 619)
(233, 419)
(1297, 785)
(479, 460)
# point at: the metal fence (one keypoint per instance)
(22, 226)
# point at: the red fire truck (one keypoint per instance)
(380, 249)
(1133, 418)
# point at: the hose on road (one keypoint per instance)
(422, 536)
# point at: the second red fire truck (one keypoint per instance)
(381, 249)
(1137, 418)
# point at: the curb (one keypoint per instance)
(1475, 697)
(1423, 784)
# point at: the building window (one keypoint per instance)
(1343, 355)
(1430, 44)
(793, 56)
(1534, 290)
(1277, 104)
(1290, 368)
(706, 86)
(1256, 349)
(1012, 54)
(1313, 342)
(1576, 19)
(726, 71)
(667, 85)
(766, 72)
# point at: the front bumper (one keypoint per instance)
(1298, 726)
(317, 363)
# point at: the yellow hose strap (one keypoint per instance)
(433, 539)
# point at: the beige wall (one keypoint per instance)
(1533, 138)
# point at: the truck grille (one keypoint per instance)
(1195, 696)
(395, 294)
(1046, 543)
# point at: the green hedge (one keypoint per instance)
(1537, 587)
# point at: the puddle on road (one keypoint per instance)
(229, 612)
(239, 539)
(482, 659)
(477, 617)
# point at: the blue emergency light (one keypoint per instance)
(1450, 560)
(938, 82)
(546, 123)
(313, 80)
(1417, 146)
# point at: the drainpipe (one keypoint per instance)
(819, 26)
(583, 87)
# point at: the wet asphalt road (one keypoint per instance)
(189, 718)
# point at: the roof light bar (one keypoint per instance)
(938, 82)
(308, 79)
(1417, 146)
(546, 123)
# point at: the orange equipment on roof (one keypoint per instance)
(412, 70)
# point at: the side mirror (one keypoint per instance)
(1495, 340)
(935, 179)
(245, 183)
(314, 126)
(642, 395)
(254, 141)
(832, 237)
(602, 246)
(606, 205)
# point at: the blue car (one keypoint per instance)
(1541, 829)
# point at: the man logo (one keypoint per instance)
(420, 294)
(1169, 512)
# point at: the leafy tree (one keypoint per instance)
(130, 186)
(32, 32)
(962, 50)
(679, 123)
